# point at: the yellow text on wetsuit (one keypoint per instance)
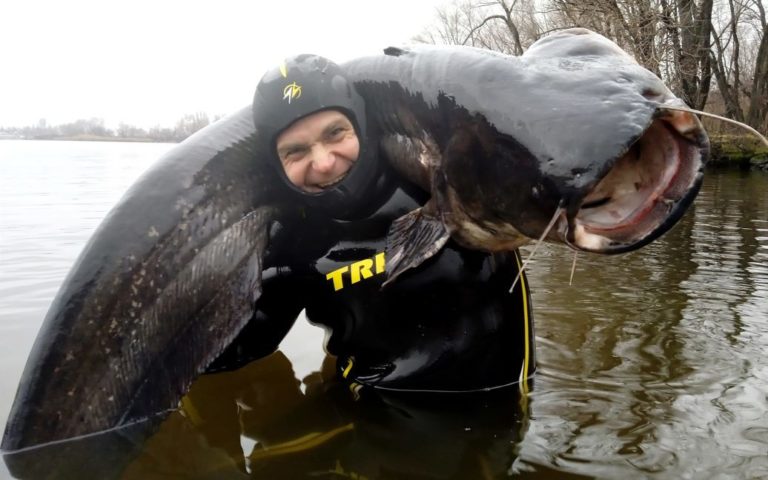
(360, 270)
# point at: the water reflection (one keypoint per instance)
(266, 427)
(257, 422)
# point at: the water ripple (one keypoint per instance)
(652, 364)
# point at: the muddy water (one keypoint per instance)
(650, 365)
(654, 363)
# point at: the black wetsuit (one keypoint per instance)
(448, 325)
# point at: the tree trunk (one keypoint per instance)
(730, 92)
(758, 99)
(695, 67)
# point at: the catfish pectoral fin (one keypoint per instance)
(412, 239)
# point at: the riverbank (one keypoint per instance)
(744, 152)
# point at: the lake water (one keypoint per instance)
(650, 365)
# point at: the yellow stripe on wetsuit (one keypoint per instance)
(526, 328)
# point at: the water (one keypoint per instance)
(651, 365)
(654, 363)
(52, 197)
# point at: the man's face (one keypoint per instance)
(318, 150)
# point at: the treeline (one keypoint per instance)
(711, 53)
(95, 129)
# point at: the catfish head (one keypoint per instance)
(577, 144)
(643, 193)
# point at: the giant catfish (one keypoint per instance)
(573, 130)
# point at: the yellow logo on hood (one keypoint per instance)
(291, 91)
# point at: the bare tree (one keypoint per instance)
(740, 60)
(725, 59)
(689, 43)
(507, 26)
(509, 23)
(189, 124)
(757, 115)
(694, 68)
(125, 130)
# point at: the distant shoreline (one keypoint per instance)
(739, 151)
(88, 138)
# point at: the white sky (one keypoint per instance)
(148, 62)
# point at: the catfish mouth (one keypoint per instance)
(645, 192)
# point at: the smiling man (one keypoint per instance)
(315, 122)
(449, 325)
(318, 150)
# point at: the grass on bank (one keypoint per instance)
(737, 150)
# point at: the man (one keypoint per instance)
(318, 150)
(449, 325)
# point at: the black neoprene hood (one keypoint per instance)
(307, 84)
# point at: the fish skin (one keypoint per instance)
(132, 324)
(502, 142)
(171, 275)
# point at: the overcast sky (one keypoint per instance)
(148, 62)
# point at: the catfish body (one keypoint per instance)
(173, 273)
(573, 129)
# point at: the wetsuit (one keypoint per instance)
(448, 325)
